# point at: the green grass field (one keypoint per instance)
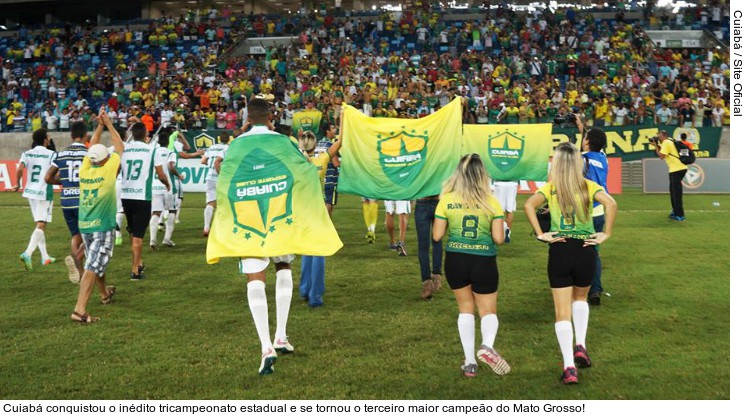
(186, 332)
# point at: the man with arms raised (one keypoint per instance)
(97, 217)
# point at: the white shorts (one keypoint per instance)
(397, 207)
(158, 203)
(506, 194)
(119, 206)
(257, 265)
(211, 191)
(41, 210)
(170, 202)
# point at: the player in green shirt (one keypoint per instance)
(475, 222)
(572, 256)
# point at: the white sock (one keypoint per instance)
(466, 326)
(564, 332)
(371, 227)
(208, 211)
(260, 311)
(42, 246)
(580, 313)
(34, 241)
(283, 301)
(120, 221)
(489, 328)
(178, 213)
(170, 226)
(164, 216)
(154, 228)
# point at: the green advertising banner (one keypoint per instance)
(510, 152)
(631, 142)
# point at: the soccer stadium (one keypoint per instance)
(518, 200)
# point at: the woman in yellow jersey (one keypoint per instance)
(571, 258)
(474, 221)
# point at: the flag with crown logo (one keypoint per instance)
(269, 202)
(511, 152)
(399, 159)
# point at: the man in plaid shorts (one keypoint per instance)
(97, 216)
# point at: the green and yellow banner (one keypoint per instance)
(631, 142)
(269, 202)
(399, 159)
(511, 152)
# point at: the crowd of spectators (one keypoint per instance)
(512, 67)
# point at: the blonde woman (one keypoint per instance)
(474, 221)
(572, 256)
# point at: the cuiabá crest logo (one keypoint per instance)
(306, 123)
(203, 141)
(505, 149)
(260, 194)
(402, 154)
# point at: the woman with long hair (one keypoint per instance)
(474, 221)
(572, 256)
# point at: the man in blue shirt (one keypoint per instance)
(596, 169)
(64, 170)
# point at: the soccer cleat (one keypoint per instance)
(136, 277)
(469, 370)
(178, 221)
(393, 246)
(679, 218)
(401, 248)
(267, 362)
(118, 240)
(370, 237)
(169, 243)
(140, 269)
(672, 215)
(205, 233)
(48, 261)
(26, 261)
(570, 376)
(493, 360)
(154, 245)
(427, 289)
(72, 272)
(581, 357)
(283, 346)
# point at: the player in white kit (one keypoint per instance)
(39, 194)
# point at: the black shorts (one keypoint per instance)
(138, 216)
(331, 194)
(571, 264)
(478, 271)
(71, 217)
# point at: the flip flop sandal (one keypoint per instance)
(85, 318)
(110, 292)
